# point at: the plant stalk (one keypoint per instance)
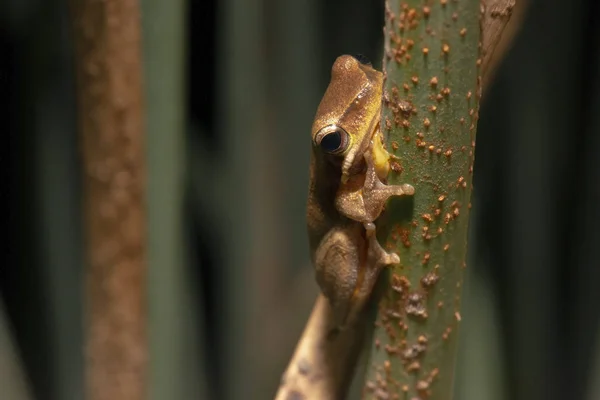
(108, 65)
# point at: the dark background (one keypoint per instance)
(231, 88)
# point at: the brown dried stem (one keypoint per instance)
(323, 363)
(108, 64)
(498, 31)
(495, 16)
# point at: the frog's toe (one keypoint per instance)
(385, 259)
(390, 259)
(380, 257)
(408, 189)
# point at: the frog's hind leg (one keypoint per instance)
(337, 262)
(376, 260)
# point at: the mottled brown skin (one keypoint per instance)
(346, 191)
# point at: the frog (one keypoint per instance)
(348, 188)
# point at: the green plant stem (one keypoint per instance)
(430, 110)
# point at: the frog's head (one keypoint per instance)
(348, 114)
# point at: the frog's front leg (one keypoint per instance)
(376, 193)
(366, 203)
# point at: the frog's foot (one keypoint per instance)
(377, 256)
(376, 193)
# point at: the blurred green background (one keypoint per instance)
(231, 88)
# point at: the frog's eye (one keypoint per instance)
(332, 139)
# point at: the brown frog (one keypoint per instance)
(347, 193)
